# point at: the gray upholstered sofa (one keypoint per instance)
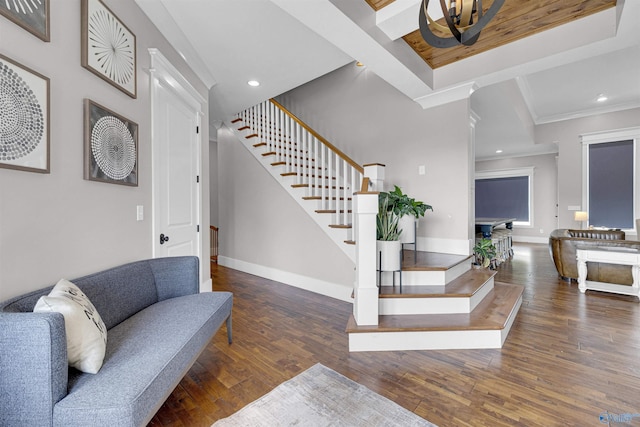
(157, 326)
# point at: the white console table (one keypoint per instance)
(609, 255)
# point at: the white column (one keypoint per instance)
(375, 173)
(365, 307)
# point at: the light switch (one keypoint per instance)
(421, 170)
(139, 212)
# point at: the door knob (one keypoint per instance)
(163, 239)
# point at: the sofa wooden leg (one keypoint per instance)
(229, 331)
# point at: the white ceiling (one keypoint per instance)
(551, 76)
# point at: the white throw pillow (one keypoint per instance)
(86, 333)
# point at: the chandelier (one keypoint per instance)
(465, 19)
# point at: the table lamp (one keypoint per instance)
(581, 217)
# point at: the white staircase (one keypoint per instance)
(316, 174)
(443, 303)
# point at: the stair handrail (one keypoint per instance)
(318, 136)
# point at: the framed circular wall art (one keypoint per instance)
(108, 47)
(24, 118)
(110, 146)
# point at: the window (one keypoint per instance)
(505, 194)
(610, 189)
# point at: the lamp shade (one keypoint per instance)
(580, 216)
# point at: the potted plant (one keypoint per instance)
(407, 209)
(484, 251)
(387, 234)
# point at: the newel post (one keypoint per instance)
(365, 307)
(375, 173)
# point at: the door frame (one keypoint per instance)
(163, 72)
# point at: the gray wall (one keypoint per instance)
(60, 225)
(545, 192)
(567, 133)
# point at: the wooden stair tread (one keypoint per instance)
(320, 198)
(259, 144)
(492, 313)
(330, 211)
(350, 242)
(430, 261)
(236, 120)
(340, 226)
(464, 286)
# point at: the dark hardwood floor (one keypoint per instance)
(569, 357)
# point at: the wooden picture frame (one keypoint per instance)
(31, 15)
(110, 146)
(108, 47)
(24, 118)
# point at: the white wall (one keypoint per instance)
(60, 225)
(265, 232)
(545, 178)
(374, 123)
(567, 134)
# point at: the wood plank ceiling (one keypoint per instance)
(515, 20)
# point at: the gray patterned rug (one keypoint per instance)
(322, 397)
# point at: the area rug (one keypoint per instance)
(322, 397)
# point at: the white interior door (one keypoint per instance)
(176, 162)
(178, 205)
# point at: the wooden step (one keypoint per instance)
(333, 178)
(259, 144)
(350, 242)
(326, 198)
(461, 295)
(486, 327)
(236, 120)
(430, 268)
(316, 186)
(330, 211)
(273, 153)
(464, 286)
(295, 165)
(253, 135)
(347, 226)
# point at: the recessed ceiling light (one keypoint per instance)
(253, 83)
(601, 98)
(498, 151)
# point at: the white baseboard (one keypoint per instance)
(333, 290)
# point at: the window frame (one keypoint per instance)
(604, 137)
(529, 172)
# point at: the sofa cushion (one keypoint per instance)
(116, 295)
(146, 357)
(85, 331)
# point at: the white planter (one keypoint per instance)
(390, 258)
(408, 224)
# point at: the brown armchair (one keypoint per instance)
(562, 247)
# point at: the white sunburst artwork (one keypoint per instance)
(108, 47)
(32, 15)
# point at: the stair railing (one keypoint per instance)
(328, 174)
